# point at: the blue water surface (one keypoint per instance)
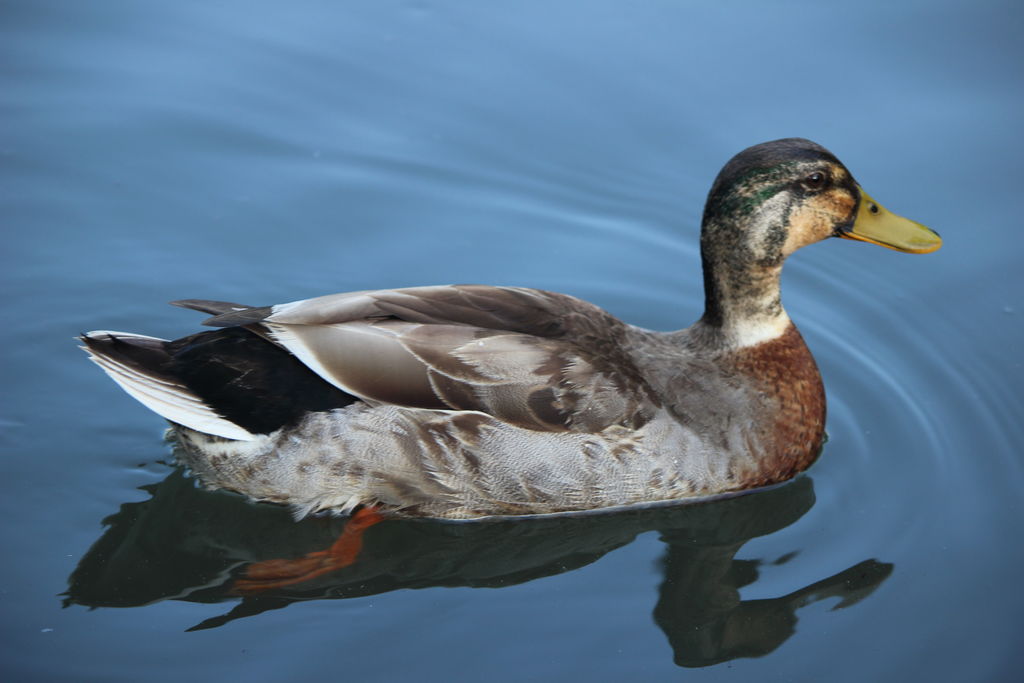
(264, 152)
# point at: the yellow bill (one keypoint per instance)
(877, 225)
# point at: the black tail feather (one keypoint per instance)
(147, 355)
(245, 379)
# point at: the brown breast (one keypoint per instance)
(785, 371)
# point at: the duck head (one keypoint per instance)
(768, 201)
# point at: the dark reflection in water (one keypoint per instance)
(189, 544)
(700, 610)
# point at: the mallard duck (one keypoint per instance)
(466, 401)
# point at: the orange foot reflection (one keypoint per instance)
(269, 574)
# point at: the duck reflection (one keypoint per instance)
(189, 544)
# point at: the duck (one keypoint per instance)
(473, 401)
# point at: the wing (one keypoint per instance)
(532, 358)
(513, 309)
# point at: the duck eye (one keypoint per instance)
(815, 181)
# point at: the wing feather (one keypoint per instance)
(514, 309)
(534, 358)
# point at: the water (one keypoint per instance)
(264, 153)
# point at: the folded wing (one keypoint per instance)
(532, 358)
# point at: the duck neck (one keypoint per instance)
(742, 299)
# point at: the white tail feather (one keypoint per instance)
(172, 401)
